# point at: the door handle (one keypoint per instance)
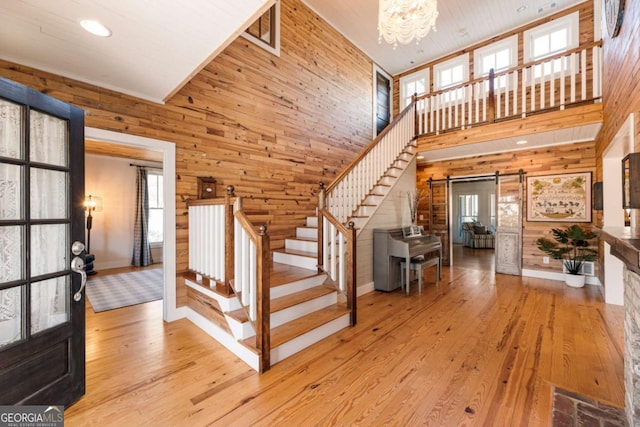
(77, 266)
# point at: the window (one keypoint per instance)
(468, 205)
(265, 31)
(156, 205)
(417, 83)
(492, 211)
(452, 72)
(500, 56)
(549, 39)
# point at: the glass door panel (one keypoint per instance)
(49, 248)
(48, 194)
(10, 315)
(10, 130)
(48, 139)
(49, 303)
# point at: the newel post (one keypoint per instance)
(491, 105)
(228, 238)
(321, 206)
(352, 289)
(263, 300)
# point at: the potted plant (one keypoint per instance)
(572, 245)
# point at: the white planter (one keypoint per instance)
(574, 280)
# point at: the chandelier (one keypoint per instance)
(401, 21)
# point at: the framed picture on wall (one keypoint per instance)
(559, 198)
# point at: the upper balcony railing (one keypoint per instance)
(556, 82)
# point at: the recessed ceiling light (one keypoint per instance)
(522, 142)
(95, 27)
(522, 8)
(420, 157)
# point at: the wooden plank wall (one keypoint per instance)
(577, 157)
(274, 127)
(586, 35)
(621, 84)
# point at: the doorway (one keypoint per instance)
(382, 100)
(473, 211)
(167, 149)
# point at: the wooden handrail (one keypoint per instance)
(368, 148)
(510, 70)
(262, 322)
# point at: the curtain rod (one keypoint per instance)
(145, 166)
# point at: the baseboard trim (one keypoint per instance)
(365, 289)
(552, 275)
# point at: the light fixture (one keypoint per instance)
(402, 21)
(420, 157)
(95, 27)
(91, 204)
(522, 142)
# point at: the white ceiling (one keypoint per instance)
(156, 44)
(460, 23)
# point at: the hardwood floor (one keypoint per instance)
(479, 349)
(478, 259)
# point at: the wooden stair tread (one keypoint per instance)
(240, 315)
(282, 274)
(300, 326)
(304, 239)
(304, 324)
(299, 253)
(300, 297)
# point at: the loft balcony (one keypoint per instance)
(550, 101)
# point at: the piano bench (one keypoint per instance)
(419, 265)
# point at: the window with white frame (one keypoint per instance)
(549, 39)
(156, 206)
(265, 31)
(415, 83)
(451, 73)
(499, 56)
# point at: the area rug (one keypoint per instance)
(124, 289)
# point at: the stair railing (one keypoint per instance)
(338, 259)
(343, 196)
(251, 279)
(211, 239)
(555, 82)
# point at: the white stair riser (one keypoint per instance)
(283, 316)
(296, 260)
(301, 245)
(240, 330)
(290, 348)
(306, 233)
(312, 221)
(297, 286)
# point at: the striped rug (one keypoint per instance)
(124, 289)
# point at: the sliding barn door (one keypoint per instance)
(508, 256)
(439, 215)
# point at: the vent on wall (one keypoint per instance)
(587, 268)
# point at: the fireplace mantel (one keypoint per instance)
(625, 245)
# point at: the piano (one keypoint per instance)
(393, 245)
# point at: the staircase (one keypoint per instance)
(273, 305)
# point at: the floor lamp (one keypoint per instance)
(91, 204)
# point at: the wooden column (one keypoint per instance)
(263, 299)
